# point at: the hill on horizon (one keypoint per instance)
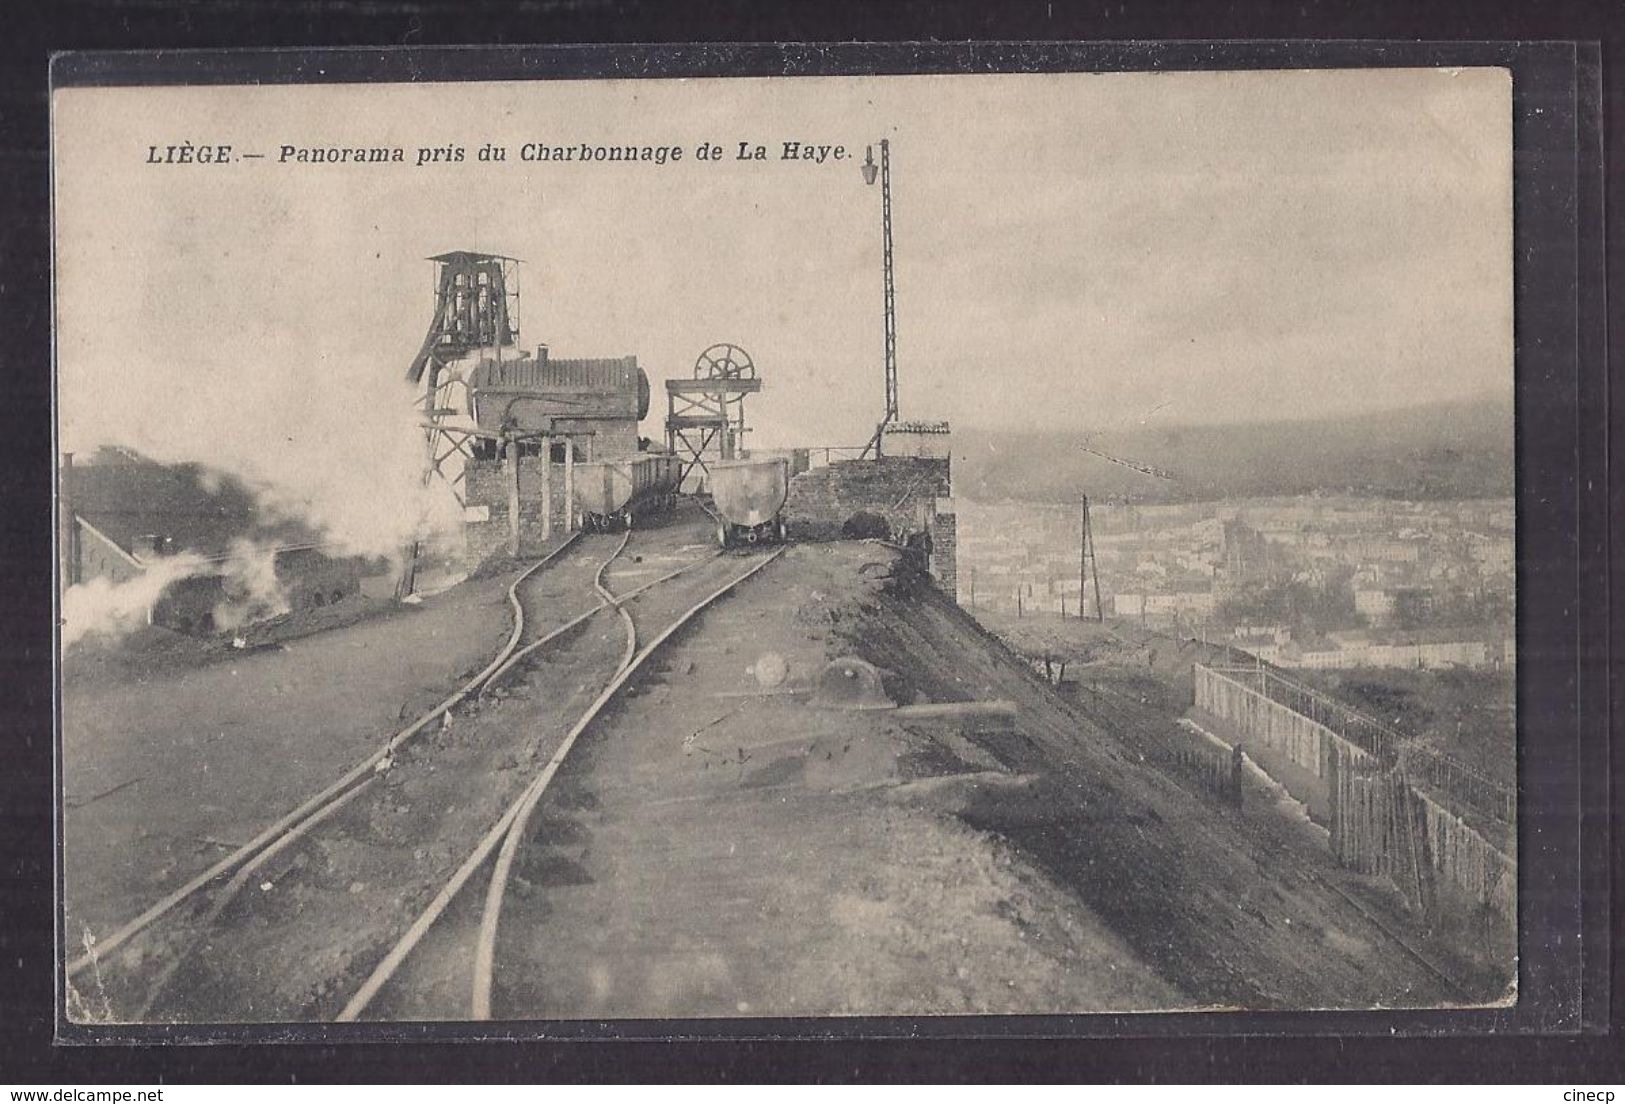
(1437, 451)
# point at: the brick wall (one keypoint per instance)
(897, 488)
(604, 437)
(310, 578)
(99, 556)
(485, 490)
(945, 547)
(909, 492)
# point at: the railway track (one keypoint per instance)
(278, 833)
(454, 978)
(552, 614)
(538, 599)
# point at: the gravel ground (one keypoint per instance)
(718, 851)
(298, 940)
(713, 854)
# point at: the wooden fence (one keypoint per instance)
(1380, 823)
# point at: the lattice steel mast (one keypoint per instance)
(869, 173)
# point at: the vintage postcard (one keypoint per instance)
(727, 548)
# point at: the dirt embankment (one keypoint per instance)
(1215, 907)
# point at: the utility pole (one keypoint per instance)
(1086, 564)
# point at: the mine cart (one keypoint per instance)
(749, 499)
(612, 493)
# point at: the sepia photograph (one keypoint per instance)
(977, 544)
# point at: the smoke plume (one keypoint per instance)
(342, 454)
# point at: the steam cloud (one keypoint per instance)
(253, 591)
(102, 607)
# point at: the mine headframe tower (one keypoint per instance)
(476, 307)
(705, 415)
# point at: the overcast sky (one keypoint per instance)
(1071, 250)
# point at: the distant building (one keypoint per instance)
(1493, 557)
(1388, 551)
(1377, 606)
(1429, 651)
(1277, 634)
(1163, 607)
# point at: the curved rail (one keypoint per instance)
(496, 889)
(298, 831)
(302, 814)
(610, 599)
(486, 679)
(517, 657)
(240, 880)
(516, 814)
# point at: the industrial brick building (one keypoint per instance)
(553, 414)
(595, 403)
(122, 515)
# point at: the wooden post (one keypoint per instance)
(510, 449)
(569, 485)
(1083, 553)
(547, 489)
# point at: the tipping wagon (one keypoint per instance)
(748, 496)
(612, 493)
